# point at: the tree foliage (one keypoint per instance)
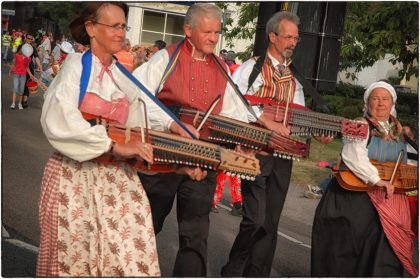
(245, 27)
(61, 12)
(374, 29)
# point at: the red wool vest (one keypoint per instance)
(193, 83)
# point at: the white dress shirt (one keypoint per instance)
(63, 123)
(241, 76)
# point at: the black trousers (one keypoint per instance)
(253, 251)
(194, 202)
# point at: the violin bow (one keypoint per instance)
(208, 112)
(396, 166)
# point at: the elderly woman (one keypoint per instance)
(366, 234)
(94, 218)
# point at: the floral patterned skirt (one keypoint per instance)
(95, 220)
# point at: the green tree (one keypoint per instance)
(62, 12)
(374, 29)
(244, 29)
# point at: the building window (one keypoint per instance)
(161, 26)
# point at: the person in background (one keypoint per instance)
(235, 192)
(19, 69)
(17, 41)
(222, 54)
(139, 53)
(79, 48)
(45, 51)
(94, 217)
(366, 234)
(56, 52)
(159, 44)
(6, 41)
(34, 64)
(125, 57)
(230, 61)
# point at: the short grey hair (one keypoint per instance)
(202, 10)
(273, 22)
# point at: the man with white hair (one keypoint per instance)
(194, 81)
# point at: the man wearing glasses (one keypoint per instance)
(263, 199)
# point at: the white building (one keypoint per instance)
(382, 69)
(164, 21)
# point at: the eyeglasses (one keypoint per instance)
(115, 27)
(289, 38)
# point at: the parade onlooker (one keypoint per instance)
(79, 48)
(34, 64)
(235, 192)
(222, 54)
(19, 69)
(17, 41)
(56, 52)
(95, 218)
(159, 44)
(65, 49)
(6, 40)
(230, 61)
(45, 50)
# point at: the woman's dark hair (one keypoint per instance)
(90, 12)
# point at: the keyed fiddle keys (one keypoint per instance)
(170, 149)
(227, 131)
(305, 122)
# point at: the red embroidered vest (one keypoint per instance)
(193, 83)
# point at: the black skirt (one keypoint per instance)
(348, 239)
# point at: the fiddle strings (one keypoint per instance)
(252, 137)
(306, 123)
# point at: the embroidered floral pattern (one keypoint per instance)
(104, 222)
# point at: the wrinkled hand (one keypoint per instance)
(196, 174)
(246, 151)
(272, 125)
(138, 150)
(389, 188)
(176, 129)
(324, 139)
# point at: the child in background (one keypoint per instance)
(19, 69)
(235, 192)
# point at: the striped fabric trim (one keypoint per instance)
(394, 214)
(276, 85)
(170, 67)
(47, 264)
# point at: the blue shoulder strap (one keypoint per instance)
(154, 99)
(84, 79)
(87, 67)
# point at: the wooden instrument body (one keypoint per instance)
(171, 151)
(305, 122)
(406, 178)
(224, 130)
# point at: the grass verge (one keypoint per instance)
(307, 171)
